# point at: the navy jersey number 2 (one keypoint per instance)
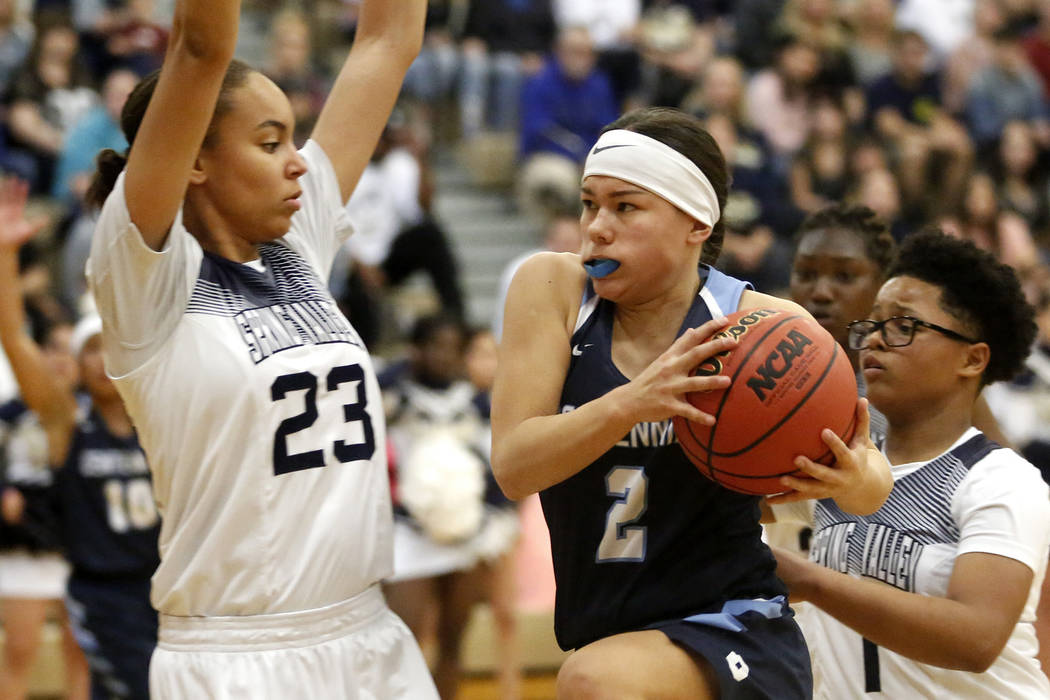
(352, 413)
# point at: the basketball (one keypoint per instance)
(790, 380)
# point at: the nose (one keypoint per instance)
(874, 341)
(598, 229)
(822, 290)
(296, 166)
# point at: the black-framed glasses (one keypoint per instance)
(897, 331)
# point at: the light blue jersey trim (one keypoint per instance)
(732, 609)
(722, 293)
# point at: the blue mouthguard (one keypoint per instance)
(600, 267)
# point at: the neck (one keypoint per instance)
(642, 332)
(213, 232)
(919, 434)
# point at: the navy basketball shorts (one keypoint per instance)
(767, 659)
(116, 627)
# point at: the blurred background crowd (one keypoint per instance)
(926, 111)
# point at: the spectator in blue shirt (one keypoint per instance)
(564, 107)
(99, 128)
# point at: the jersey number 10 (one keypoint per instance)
(352, 412)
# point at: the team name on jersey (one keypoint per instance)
(887, 555)
(271, 329)
(107, 462)
(891, 556)
(655, 434)
(830, 546)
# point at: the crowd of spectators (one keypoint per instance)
(926, 117)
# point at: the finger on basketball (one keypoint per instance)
(833, 441)
(817, 471)
(690, 412)
(804, 486)
(701, 383)
(863, 431)
(713, 326)
(709, 348)
(791, 496)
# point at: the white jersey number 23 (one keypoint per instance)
(352, 413)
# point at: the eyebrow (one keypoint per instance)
(895, 310)
(268, 123)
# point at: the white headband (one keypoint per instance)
(646, 162)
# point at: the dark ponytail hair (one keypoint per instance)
(110, 163)
(684, 133)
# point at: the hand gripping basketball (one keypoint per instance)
(789, 381)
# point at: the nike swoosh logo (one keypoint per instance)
(577, 350)
(606, 148)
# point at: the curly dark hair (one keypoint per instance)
(977, 289)
(862, 222)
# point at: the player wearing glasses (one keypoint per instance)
(935, 593)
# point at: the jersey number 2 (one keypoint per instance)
(352, 412)
(620, 540)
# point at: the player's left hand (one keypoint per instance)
(859, 480)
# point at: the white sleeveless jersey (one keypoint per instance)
(258, 408)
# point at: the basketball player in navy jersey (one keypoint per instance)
(664, 588)
(102, 495)
(254, 398)
(935, 593)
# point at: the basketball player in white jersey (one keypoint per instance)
(254, 398)
(935, 593)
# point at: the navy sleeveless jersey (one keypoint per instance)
(640, 536)
(104, 498)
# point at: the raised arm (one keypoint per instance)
(389, 36)
(51, 400)
(200, 47)
(534, 445)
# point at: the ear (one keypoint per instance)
(699, 233)
(197, 174)
(976, 360)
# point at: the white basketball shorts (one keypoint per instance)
(357, 649)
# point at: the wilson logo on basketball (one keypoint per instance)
(778, 363)
(790, 380)
(713, 365)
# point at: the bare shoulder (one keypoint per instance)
(554, 268)
(553, 281)
(757, 300)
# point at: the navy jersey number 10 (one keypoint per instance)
(352, 412)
